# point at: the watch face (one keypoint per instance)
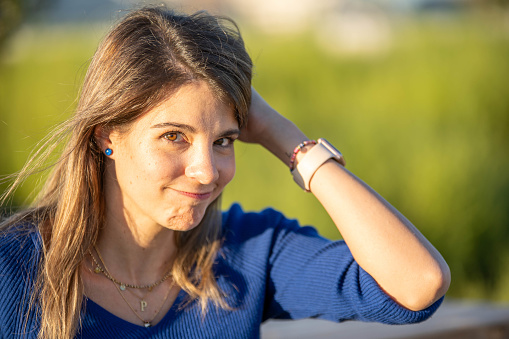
(337, 154)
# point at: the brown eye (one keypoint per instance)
(224, 142)
(172, 136)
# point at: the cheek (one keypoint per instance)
(227, 170)
(147, 168)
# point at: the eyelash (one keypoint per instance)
(230, 140)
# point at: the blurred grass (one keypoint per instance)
(426, 124)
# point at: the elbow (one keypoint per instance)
(431, 286)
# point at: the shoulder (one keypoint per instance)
(19, 259)
(21, 236)
(250, 223)
(19, 250)
(236, 212)
(264, 232)
(235, 216)
(262, 226)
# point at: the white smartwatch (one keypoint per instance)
(312, 160)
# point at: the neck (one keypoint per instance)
(135, 248)
(136, 252)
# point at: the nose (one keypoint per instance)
(202, 166)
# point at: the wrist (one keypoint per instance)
(299, 152)
(310, 157)
(303, 153)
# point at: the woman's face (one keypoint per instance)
(174, 160)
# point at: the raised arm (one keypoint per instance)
(383, 242)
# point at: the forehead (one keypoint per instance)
(194, 104)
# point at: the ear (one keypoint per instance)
(102, 137)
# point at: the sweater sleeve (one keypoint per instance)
(309, 276)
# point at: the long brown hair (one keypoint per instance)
(150, 53)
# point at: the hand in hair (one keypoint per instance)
(265, 126)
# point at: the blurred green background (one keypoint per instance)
(424, 120)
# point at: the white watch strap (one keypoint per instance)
(314, 158)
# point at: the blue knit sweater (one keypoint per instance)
(270, 267)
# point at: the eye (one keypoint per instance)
(173, 136)
(224, 142)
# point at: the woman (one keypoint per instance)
(126, 239)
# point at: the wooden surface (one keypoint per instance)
(454, 319)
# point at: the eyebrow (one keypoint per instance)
(174, 124)
(191, 129)
(229, 132)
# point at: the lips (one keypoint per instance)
(200, 196)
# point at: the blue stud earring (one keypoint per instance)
(108, 151)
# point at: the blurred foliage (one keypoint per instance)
(10, 16)
(13, 12)
(426, 124)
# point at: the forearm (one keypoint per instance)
(281, 138)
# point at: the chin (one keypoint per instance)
(185, 221)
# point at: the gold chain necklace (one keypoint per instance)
(99, 269)
(118, 286)
(146, 323)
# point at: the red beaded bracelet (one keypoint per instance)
(297, 150)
